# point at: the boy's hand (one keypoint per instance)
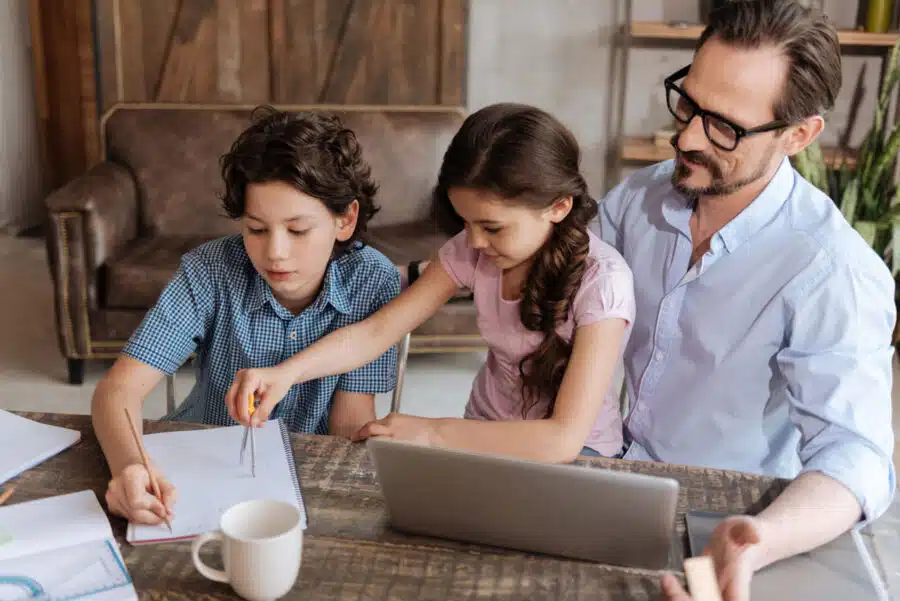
(267, 384)
(130, 495)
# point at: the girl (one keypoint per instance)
(554, 303)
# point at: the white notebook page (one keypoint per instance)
(61, 547)
(204, 467)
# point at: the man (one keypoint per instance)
(762, 340)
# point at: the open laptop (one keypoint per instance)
(600, 515)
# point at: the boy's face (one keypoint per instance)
(289, 237)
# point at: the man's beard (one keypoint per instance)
(718, 186)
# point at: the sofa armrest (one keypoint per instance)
(106, 199)
(91, 218)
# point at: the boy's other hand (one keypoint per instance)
(130, 495)
(268, 385)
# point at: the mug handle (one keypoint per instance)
(205, 570)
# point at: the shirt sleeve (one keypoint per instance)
(459, 260)
(607, 226)
(837, 363)
(173, 328)
(606, 291)
(380, 375)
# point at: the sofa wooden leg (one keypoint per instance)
(76, 371)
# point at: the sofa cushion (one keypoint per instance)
(417, 241)
(174, 151)
(136, 278)
(420, 242)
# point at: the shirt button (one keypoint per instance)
(293, 335)
(659, 355)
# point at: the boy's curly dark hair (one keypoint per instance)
(311, 151)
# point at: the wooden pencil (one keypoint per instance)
(153, 483)
(7, 494)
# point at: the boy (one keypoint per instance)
(303, 194)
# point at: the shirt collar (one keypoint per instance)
(333, 292)
(761, 211)
(677, 210)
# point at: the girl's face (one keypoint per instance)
(509, 234)
(289, 237)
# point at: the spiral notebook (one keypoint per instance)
(204, 466)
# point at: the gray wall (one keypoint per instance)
(557, 54)
(21, 178)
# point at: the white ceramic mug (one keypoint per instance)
(262, 542)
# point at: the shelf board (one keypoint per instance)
(643, 149)
(657, 30)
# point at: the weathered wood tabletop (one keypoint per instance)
(350, 552)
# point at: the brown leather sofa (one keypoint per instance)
(116, 233)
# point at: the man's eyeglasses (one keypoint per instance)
(719, 130)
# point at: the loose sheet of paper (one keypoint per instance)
(204, 467)
(24, 443)
(61, 548)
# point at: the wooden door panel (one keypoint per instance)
(282, 51)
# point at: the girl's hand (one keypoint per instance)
(268, 385)
(420, 430)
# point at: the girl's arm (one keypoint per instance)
(559, 438)
(344, 349)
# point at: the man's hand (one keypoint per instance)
(735, 550)
(672, 589)
(400, 427)
(268, 384)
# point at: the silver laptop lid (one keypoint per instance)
(602, 515)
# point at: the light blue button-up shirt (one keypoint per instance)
(772, 354)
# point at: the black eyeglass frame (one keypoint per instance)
(739, 131)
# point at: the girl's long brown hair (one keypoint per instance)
(528, 157)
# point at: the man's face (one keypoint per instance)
(742, 85)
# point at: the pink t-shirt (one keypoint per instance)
(606, 291)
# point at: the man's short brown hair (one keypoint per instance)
(807, 39)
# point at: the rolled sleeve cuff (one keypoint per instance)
(868, 474)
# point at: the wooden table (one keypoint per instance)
(350, 553)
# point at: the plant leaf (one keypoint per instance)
(849, 200)
(868, 230)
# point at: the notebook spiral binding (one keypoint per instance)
(289, 454)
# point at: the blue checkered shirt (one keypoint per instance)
(218, 306)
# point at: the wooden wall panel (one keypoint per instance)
(65, 88)
(282, 51)
(400, 52)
